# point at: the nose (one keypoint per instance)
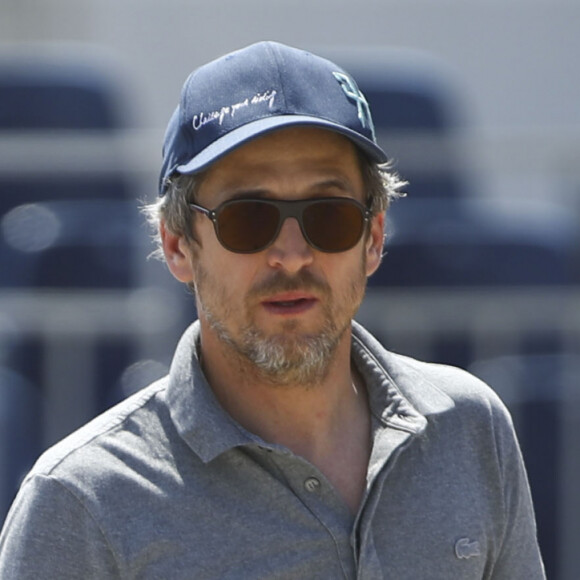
(290, 250)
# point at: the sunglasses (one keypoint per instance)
(330, 224)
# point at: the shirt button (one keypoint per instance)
(311, 484)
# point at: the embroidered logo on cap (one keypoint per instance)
(353, 92)
(465, 549)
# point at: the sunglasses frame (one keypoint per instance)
(286, 208)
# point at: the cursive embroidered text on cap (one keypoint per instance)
(229, 111)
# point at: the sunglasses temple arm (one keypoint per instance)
(208, 212)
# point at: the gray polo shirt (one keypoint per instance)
(167, 486)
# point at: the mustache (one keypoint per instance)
(280, 282)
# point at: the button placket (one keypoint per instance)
(320, 501)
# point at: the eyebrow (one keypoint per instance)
(342, 185)
(248, 194)
(337, 183)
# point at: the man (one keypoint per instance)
(285, 442)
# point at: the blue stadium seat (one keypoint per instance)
(20, 414)
(454, 243)
(80, 245)
(41, 93)
(94, 244)
(87, 243)
(76, 94)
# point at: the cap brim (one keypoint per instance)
(245, 133)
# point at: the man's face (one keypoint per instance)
(282, 312)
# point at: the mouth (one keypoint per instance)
(289, 304)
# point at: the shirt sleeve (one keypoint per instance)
(519, 554)
(49, 534)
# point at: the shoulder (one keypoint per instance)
(124, 430)
(459, 384)
(471, 400)
(82, 483)
(460, 409)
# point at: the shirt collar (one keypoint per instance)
(399, 396)
(197, 414)
(400, 393)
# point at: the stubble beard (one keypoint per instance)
(288, 357)
(282, 360)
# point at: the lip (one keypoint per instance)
(289, 303)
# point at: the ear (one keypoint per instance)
(374, 243)
(177, 254)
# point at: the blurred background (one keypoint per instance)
(476, 101)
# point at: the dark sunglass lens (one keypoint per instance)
(247, 226)
(333, 225)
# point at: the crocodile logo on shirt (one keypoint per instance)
(465, 549)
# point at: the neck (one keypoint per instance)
(327, 423)
(267, 405)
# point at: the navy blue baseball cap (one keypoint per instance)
(255, 90)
